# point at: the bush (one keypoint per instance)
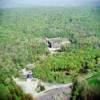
(4, 92)
(27, 97)
(86, 89)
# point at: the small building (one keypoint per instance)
(27, 74)
(55, 44)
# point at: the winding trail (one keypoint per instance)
(51, 92)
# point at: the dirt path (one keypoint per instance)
(27, 86)
(52, 90)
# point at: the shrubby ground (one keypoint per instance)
(22, 31)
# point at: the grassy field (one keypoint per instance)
(22, 33)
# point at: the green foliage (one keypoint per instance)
(4, 92)
(27, 97)
(10, 92)
(72, 63)
(87, 89)
(22, 33)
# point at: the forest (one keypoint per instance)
(22, 34)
